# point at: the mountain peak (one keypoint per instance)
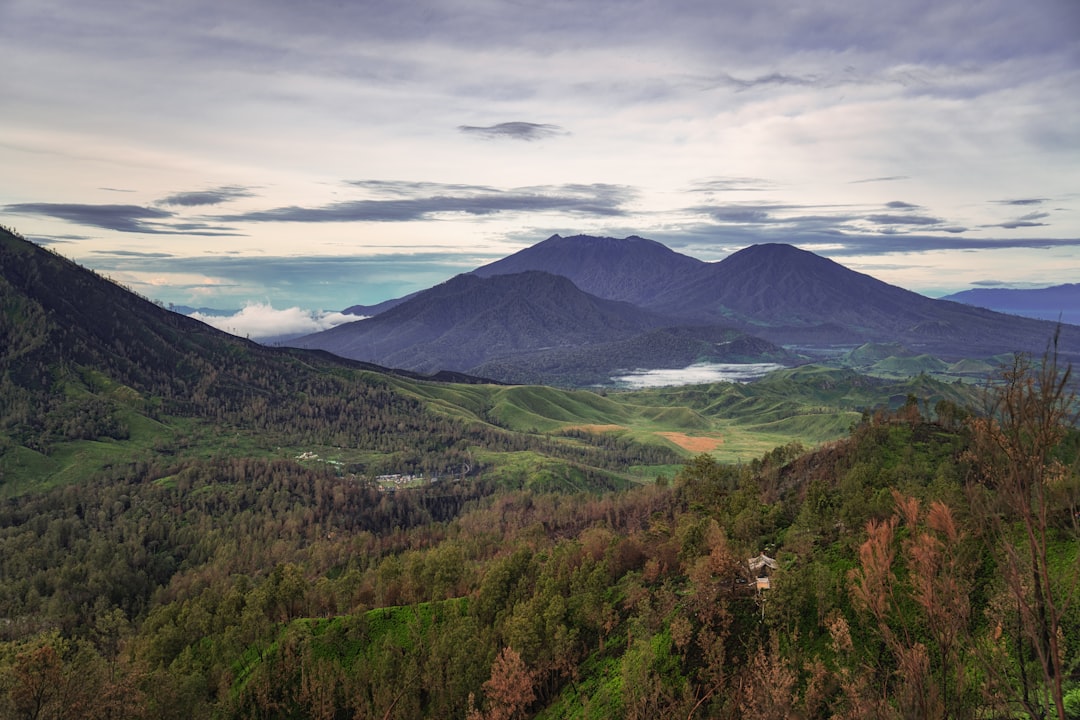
(631, 269)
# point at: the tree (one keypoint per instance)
(1025, 494)
(509, 691)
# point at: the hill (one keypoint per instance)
(1059, 302)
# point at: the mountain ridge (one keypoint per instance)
(1057, 302)
(473, 323)
(776, 292)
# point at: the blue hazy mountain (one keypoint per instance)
(1058, 302)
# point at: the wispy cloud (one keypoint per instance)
(773, 78)
(514, 130)
(732, 184)
(121, 218)
(886, 219)
(1024, 221)
(200, 198)
(427, 200)
(834, 241)
(132, 254)
(888, 178)
(1021, 201)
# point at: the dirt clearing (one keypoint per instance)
(693, 443)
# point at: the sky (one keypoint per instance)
(279, 155)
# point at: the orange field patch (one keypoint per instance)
(693, 443)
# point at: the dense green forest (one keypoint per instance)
(924, 567)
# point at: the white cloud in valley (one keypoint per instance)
(260, 321)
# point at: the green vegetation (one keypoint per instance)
(238, 588)
(195, 526)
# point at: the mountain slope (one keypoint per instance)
(632, 269)
(1049, 303)
(469, 320)
(789, 295)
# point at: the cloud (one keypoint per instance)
(1021, 201)
(696, 374)
(1016, 224)
(424, 201)
(260, 321)
(732, 184)
(774, 78)
(121, 218)
(901, 205)
(132, 254)
(514, 130)
(889, 178)
(1024, 221)
(707, 240)
(904, 220)
(201, 198)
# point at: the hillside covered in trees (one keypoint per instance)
(924, 567)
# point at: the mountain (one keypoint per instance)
(499, 325)
(1059, 302)
(511, 323)
(792, 296)
(372, 310)
(632, 269)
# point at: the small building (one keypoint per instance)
(759, 570)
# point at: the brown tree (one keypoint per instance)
(509, 691)
(1026, 497)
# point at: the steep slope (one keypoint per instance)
(789, 295)
(1049, 303)
(57, 315)
(632, 269)
(469, 320)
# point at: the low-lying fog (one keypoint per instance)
(696, 374)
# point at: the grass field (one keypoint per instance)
(732, 422)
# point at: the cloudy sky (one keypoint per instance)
(325, 153)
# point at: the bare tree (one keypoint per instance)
(1025, 495)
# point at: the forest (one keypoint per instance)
(925, 566)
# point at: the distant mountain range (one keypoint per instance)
(579, 308)
(1060, 302)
